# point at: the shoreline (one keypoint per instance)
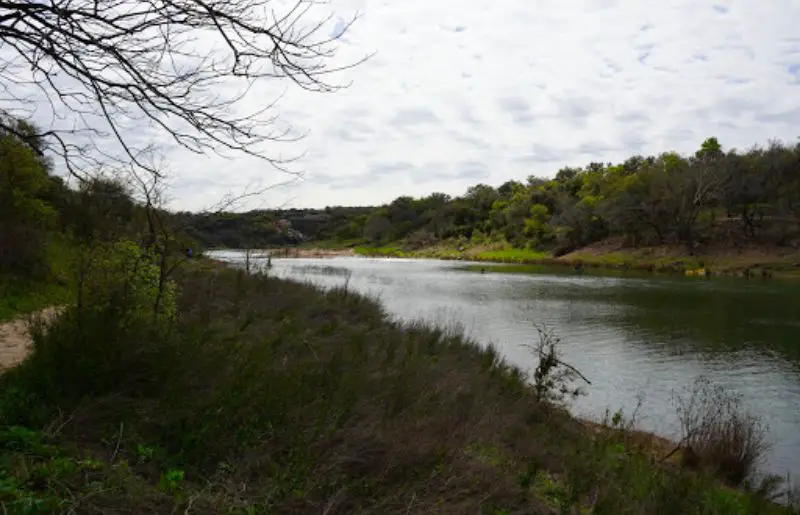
(747, 264)
(650, 442)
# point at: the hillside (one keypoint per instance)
(717, 205)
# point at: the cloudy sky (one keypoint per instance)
(461, 92)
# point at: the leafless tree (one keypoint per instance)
(118, 75)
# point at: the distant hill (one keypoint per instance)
(262, 228)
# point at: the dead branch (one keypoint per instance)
(122, 74)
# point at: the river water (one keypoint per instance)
(638, 338)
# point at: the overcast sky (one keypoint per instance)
(469, 91)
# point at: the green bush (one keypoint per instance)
(127, 279)
(116, 338)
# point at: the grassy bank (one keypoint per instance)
(745, 262)
(489, 253)
(23, 297)
(752, 261)
(267, 396)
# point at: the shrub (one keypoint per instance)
(553, 378)
(117, 338)
(127, 278)
(421, 238)
(718, 433)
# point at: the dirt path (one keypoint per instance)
(15, 342)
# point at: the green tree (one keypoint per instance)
(378, 228)
(25, 216)
(536, 225)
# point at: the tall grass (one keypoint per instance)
(513, 255)
(269, 396)
(719, 434)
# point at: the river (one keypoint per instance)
(636, 337)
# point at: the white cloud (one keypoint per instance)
(481, 91)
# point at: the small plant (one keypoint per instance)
(718, 433)
(144, 453)
(171, 480)
(553, 378)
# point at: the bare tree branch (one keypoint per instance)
(116, 71)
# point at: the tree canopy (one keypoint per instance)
(713, 196)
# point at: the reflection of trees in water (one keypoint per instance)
(701, 318)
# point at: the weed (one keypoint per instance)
(553, 378)
(718, 433)
(170, 480)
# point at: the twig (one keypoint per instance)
(411, 502)
(192, 499)
(119, 439)
(671, 453)
(573, 369)
(83, 498)
(562, 363)
(59, 428)
(311, 348)
(332, 502)
(677, 448)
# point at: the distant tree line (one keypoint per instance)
(265, 228)
(713, 197)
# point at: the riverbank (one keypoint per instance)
(745, 262)
(270, 396)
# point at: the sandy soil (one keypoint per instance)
(15, 342)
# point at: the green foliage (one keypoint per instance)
(127, 277)
(123, 308)
(536, 226)
(49, 227)
(511, 255)
(171, 480)
(19, 297)
(710, 199)
(103, 210)
(24, 180)
(24, 213)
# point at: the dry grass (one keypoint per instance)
(719, 434)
